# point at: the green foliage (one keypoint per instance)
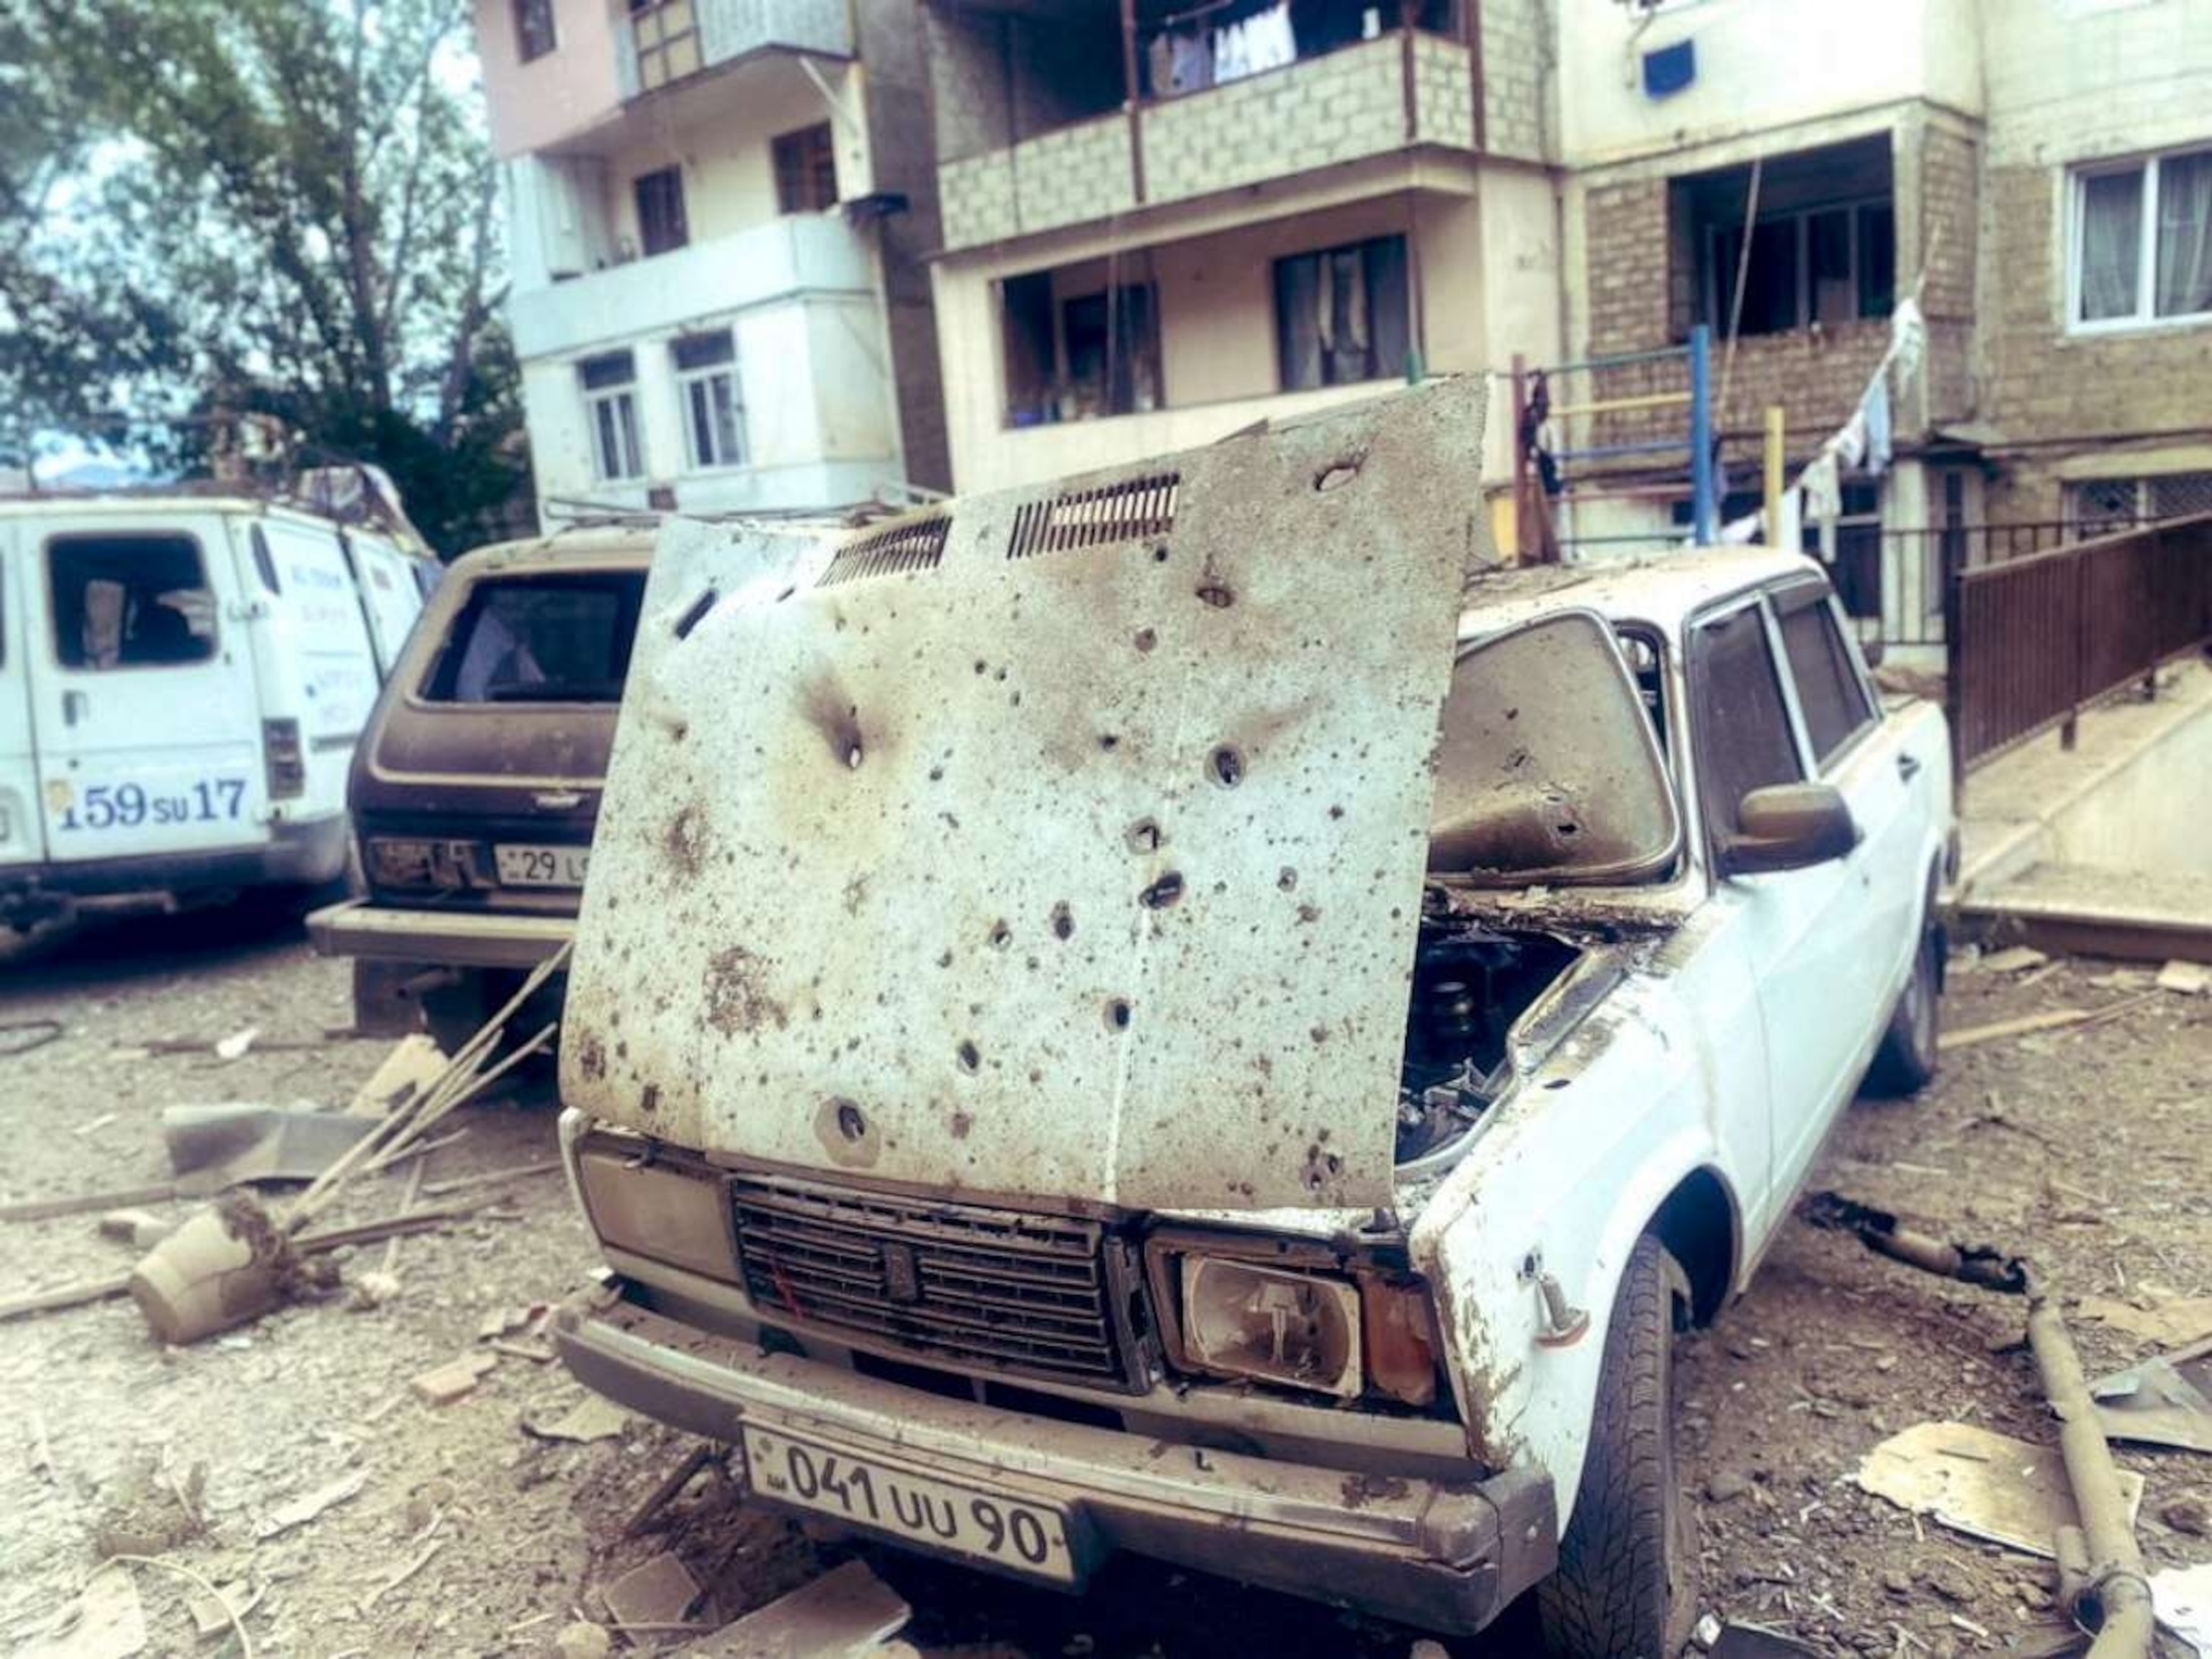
(213, 207)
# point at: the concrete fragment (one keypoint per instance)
(443, 1384)
(370, 1289)
(583, 1640)
(405, 1076)
(846, 1610)
(213, 1615)
(2014, 959)
(2188, 979)
(140, 1229)
(306, 1507)
(105, 1622)
(660, 1592)
(592, 1418)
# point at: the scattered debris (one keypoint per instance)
(106, 1621)
(2166, 1324)
(1981, 1483)
(93, 1126)
(235, 1045)
(240, 1141)
(403, 1077)
(46, 1209)
(2183, 1597)
(367, 1291)
(2190, 1513)
(2012, 959)
(399, 1575)
(846, 1610)
(140, 1229)
(443, 1384)
(661, 1592)
(223, 1607)
(2053, 1020)
(307, 1506)
(676, 1478)
(583, 1640)
(144, 1512)
(2188, 979)
(2165, 1401)
(593, 1417)
(1757, 1642)
(1884, 1234)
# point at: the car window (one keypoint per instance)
(1548, 767)
(540, 639)
(1744, 738)
(130, 601)
(1829, 693)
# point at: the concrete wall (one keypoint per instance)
(1520, 115)
(568, 91)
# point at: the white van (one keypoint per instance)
(182, 680)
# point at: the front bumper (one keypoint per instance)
(1444, 1556)
(461, 939)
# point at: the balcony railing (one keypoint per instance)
(665, 41)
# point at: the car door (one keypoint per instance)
(142, 691)
(23, 838)
(1795, 927)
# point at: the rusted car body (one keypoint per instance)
(1170, 1013)
(475, 788)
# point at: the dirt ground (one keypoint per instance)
(468, 1534)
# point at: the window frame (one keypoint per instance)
(686, 379)
(623, 393)
(214, 654)
(2145, 316)
(520, 9)
(1720, 280)
(672, 175)
(1695, 668)
(1813, 593)
(445, 666)
(806, 165)
(1359, 246)
(664, 47)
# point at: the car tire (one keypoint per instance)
(1627, 1586)
(1906, 1062)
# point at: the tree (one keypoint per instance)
(209, 207)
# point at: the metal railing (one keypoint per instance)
(2034, 640)
(1892, 579)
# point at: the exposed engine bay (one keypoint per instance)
(1470, 983)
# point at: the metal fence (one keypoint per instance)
(2033, 639)
(1892, 581)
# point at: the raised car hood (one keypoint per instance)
(1062, 845)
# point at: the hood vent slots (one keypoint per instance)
(902, 549)
(1096, 518)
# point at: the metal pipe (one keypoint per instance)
(1705, 504)
(2116, 1602)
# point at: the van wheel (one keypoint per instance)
(1626, 1586)
(1906, 1062)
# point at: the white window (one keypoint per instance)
(714, 410)
(2142, 241)
(2101, 506)
(610, 383)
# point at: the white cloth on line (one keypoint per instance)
(1851, 442)
(1824, 499)
(1874, 414)
(1790, 532)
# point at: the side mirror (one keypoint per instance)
(1788, 826)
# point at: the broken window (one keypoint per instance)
(610, 383)
(1830, 694)
(1823, 239)
(661, 223)
(1744, 738)
(130, 601)
(534, 34)
(666, 33)
(805, 170)
(1343, 314)
(707, 388)
(2143, 240)
(540, 639)
(1089, 354)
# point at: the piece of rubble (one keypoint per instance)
(660, 1592)
(140, 1229)
(146, 1511)
(593, 1417)
(2012, 959)
(106, 1621)
(1981, 1483)
(844, 1610)
(306, 1507)
(235, 1045)
(2188, 1513)
(403, 1076)
(371, 1290)
(212, 1615)
(2177, 1323)
(2163, 1401)
(443, 1384)
(2188, 979)
(2182, 1598)
(583, 1640)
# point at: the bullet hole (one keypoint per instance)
(649, 1102)
(962, 1123)
(786, 594)
(695, 613)
(1336, 812)
(1309, 913)
(1342, 473)
(981, 665)
(1160, 554)
(1162, 893)
(971, 1057)
(1108, 741)
(1001, 935)
(1146, 638)
(1218, 597)
(1146, 836)
(1287, 879)
(678, 731)
(852, 1122)
(1227, 766)
(1319, 1034)
(937, 774)
(945, 960)
(1117, 1013)
(1063, 922)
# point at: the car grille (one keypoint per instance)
(998, 1288)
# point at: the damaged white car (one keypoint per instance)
(1184, 1013)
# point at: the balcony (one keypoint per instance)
(665, 41)
(1343, 105)
(801, 254)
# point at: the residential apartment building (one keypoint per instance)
(719, 215)
(2038, 174)
(1165, 221)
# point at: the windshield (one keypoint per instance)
(1548, 770)
(540, 639)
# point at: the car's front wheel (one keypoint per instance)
(1626, 1586)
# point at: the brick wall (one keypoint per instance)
(1077, 173)
(1516, 67)
(1950, 208)
(1443, 92)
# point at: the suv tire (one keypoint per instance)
(1626, 1586)
(1906, 1062)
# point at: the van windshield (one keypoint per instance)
(540, 639)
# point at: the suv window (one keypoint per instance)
(540, 639)
(1744, 739)
(137, 601)
(1829, 692)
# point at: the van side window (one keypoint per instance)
(130, 602)
(1744, 739)
(1828, 688)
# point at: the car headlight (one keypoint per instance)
(399, 861)
(1296, 1329)
(678, 1213)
